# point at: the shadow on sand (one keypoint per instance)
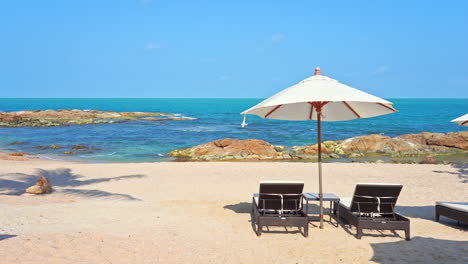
(240, 208)
(5, 236)
(16, 183)
(420, 250)
(461, 172)
(428, 213)
(246, 208)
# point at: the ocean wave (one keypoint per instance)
(100, 155)
(50, 158)
(198, 129)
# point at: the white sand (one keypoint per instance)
(199, 213)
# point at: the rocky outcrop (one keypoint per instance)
(231, 149)
(452, 140)
(15, 158)
(17, 143)
(422, 146)
(429, 160)
(409, 144)
(311, 152)
(67, 117)
(42, 186)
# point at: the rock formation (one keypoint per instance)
(231, 149)
(411, 145)
(67, 117)
(42, 186)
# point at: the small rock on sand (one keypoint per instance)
(42, 186)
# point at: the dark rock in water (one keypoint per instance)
(80, 147)
(17, 143)
(17, 154)
(42, 147)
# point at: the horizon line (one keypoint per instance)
(202, 98)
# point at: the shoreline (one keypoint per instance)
(5, 155)
(425, 147)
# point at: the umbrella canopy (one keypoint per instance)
(320, 98)
(342, 102)
(462, 120)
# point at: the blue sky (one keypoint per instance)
(231, 49)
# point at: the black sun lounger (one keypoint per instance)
(453, 210)
(280, 204)
(373, 207)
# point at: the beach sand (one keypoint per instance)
(200, 213)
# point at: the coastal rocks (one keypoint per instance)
(14, 158)
(53, 146)
(452, 140)
(42, 186)
(42, 147)
(412, 148)
(404, 145)
(436, 141)
(17, 143)
(17, 154)
(311, 152)
(73, 149)
(230, 149)
(429, 160)
(81, 147)
(370, 143)
(66, 117)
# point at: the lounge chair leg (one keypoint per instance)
(437, 217)
(359, 232)
(306, 230)
(407, 234)
(259, 229)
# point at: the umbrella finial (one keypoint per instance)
(317, 71)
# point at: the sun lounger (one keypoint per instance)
(372, 207)
(456, 211)
(280, 204)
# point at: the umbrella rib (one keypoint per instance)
(352, 110)
(274, 109)
(464, 123)
(388, 107)
(311, 111)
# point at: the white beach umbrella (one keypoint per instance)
(462, 120)
(323, 99)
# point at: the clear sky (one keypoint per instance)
(231, 49)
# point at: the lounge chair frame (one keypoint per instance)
(457, 215)
(286, 218)
(368, 212)
(279, 209)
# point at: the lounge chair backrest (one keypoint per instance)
(280, 195)
(375, 198)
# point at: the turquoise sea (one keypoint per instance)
(143, 141)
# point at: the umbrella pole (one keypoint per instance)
(319, 131)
